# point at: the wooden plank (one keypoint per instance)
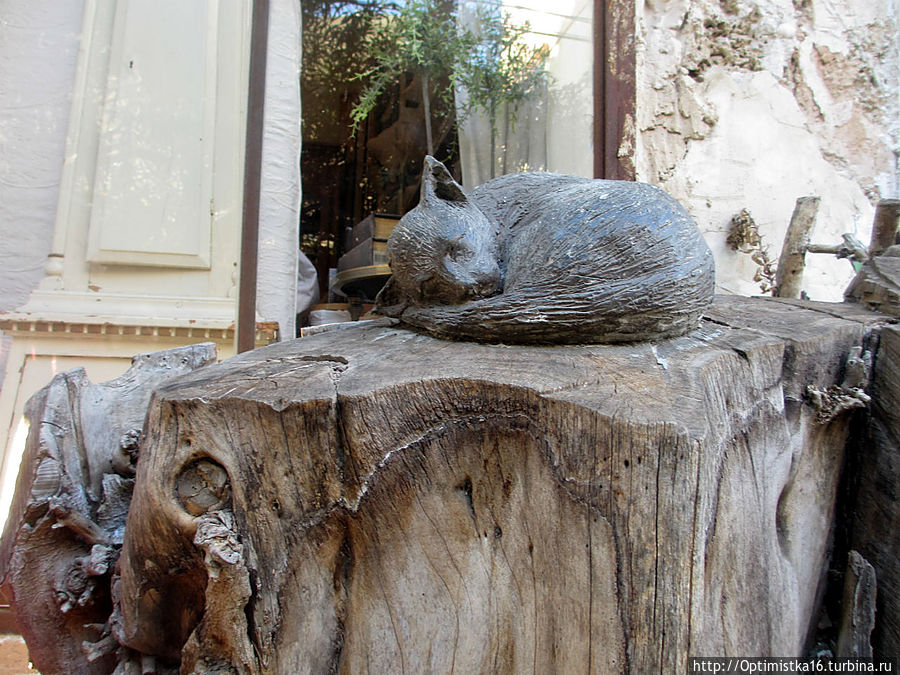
(614, 89)
(884, 228)
(789, 275)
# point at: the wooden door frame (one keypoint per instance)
(245, 335)
(614, 89)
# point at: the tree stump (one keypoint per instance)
(877, 286)
(370, 499)
(66, 524)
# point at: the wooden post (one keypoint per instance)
(789, 275)
(245, 337)
(399, 503)
(884, 229)
(613, 88)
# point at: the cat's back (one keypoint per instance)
(577, 232)
(580, 260)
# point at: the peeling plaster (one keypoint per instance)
(749, 104)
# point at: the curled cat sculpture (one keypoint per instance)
(547, 258)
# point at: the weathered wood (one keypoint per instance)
(877, 285)
(860, 590)
(884, 227)
(792, 261)
(399, 503)
(66, 524)
(878, 500)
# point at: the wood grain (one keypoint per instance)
(66, 524)
(406, 504)
(877, 513)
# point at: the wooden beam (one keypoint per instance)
(792, 261)
(614, 89)
(246, 320)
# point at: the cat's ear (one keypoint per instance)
(389, 302)
(437, 181)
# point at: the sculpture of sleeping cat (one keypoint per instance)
(547, 258)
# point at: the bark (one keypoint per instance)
(878, 500)
(859, 608)
(65, 528)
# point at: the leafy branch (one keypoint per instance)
(744, 236)
(421, 38)
(501, 70)
(490, 61)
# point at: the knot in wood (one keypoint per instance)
(203, 486)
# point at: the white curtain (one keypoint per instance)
(554, 128)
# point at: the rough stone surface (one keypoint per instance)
(750, 104)
(546, 258)
(400, 503)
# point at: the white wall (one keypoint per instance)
(753, 103)
(39, 43)
(279, 228)
(38, 51)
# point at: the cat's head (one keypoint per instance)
(443, 252)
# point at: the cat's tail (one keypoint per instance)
(614, 317)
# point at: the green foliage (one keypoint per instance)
(489, 60)
(421, 38)
(501, 69)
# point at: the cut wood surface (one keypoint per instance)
(372, 500)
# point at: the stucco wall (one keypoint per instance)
(38, 50)
(749, 104)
